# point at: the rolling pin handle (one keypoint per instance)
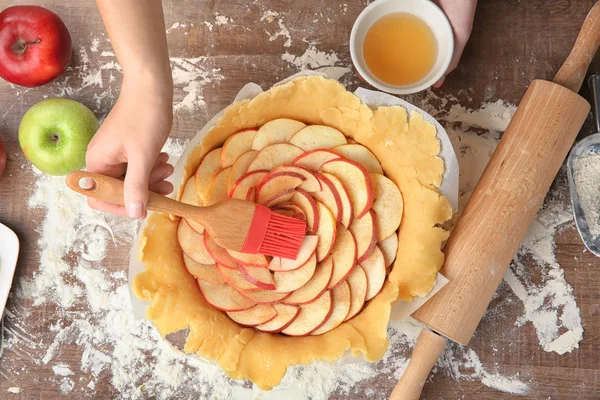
(428, 349)
(572, 73)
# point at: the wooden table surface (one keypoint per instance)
(514, 41)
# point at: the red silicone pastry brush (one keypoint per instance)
(234, 224)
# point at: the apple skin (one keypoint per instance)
(2, 157)
(54, 135)
(35, 45)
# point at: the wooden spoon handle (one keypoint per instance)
(428, 349)
(110, 189)
(572, 73)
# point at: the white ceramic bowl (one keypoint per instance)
(9, 252)
(424, 9)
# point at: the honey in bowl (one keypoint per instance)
(400, 49)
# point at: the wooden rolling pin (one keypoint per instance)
(503, 205)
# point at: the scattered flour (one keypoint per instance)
(271, 16)
(208, 25)
(586, 174)
(62, 370)
(221, 20)
(14, 390)
(178, 25)
(192, 74)
(311, 59)
(94, 45)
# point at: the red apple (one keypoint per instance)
(2, 157)
(35, 45)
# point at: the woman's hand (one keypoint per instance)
(461, 14)
(128, 144)
(129, 141)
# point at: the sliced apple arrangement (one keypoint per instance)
(310, 172)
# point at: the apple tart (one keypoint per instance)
(367, 184)
(309, 172)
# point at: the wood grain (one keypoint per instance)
(513, 42)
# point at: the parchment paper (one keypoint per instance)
(374, 99)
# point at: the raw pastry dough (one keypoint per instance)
(408, 152)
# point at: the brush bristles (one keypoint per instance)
(284, 236)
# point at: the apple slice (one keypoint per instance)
(208, 168)
(224, 297)
(260, 277)
(236, 145)
(287, 213)
(318, 137)
(344, 256)
(309, 208)
(280, 198)
(247, 181)
(236, 279)
(274, 184)
(313, 160)
(288, 281)
(208, 273)
(257, 315)
(251, 195)
(219, 254)
(255, 260)
(374, 268)
(342, 301)
(330, 197)
(217, 189)
(315, 286)
(326, 233)
(364, 230)
(240, 168)
(190, 196)
(311, 317)
(192, 243)
(279, 130)
(389, 248)
(274, 156)
(265, 296)
(357, 182)
(357, 282)
(347, 214)
(285, 316)
(361, 155)
(307, 249)
(388, 205)
(310, 184)
(291, 207)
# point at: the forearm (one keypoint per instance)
(137, 32)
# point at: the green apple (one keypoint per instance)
(54, 135)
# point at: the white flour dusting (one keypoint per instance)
(192, 74)
(221, 20)
(270, 16)
(311, 59)
(62, 370)
(91, 297)
(586, 174)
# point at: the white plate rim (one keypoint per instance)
(9, 254)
